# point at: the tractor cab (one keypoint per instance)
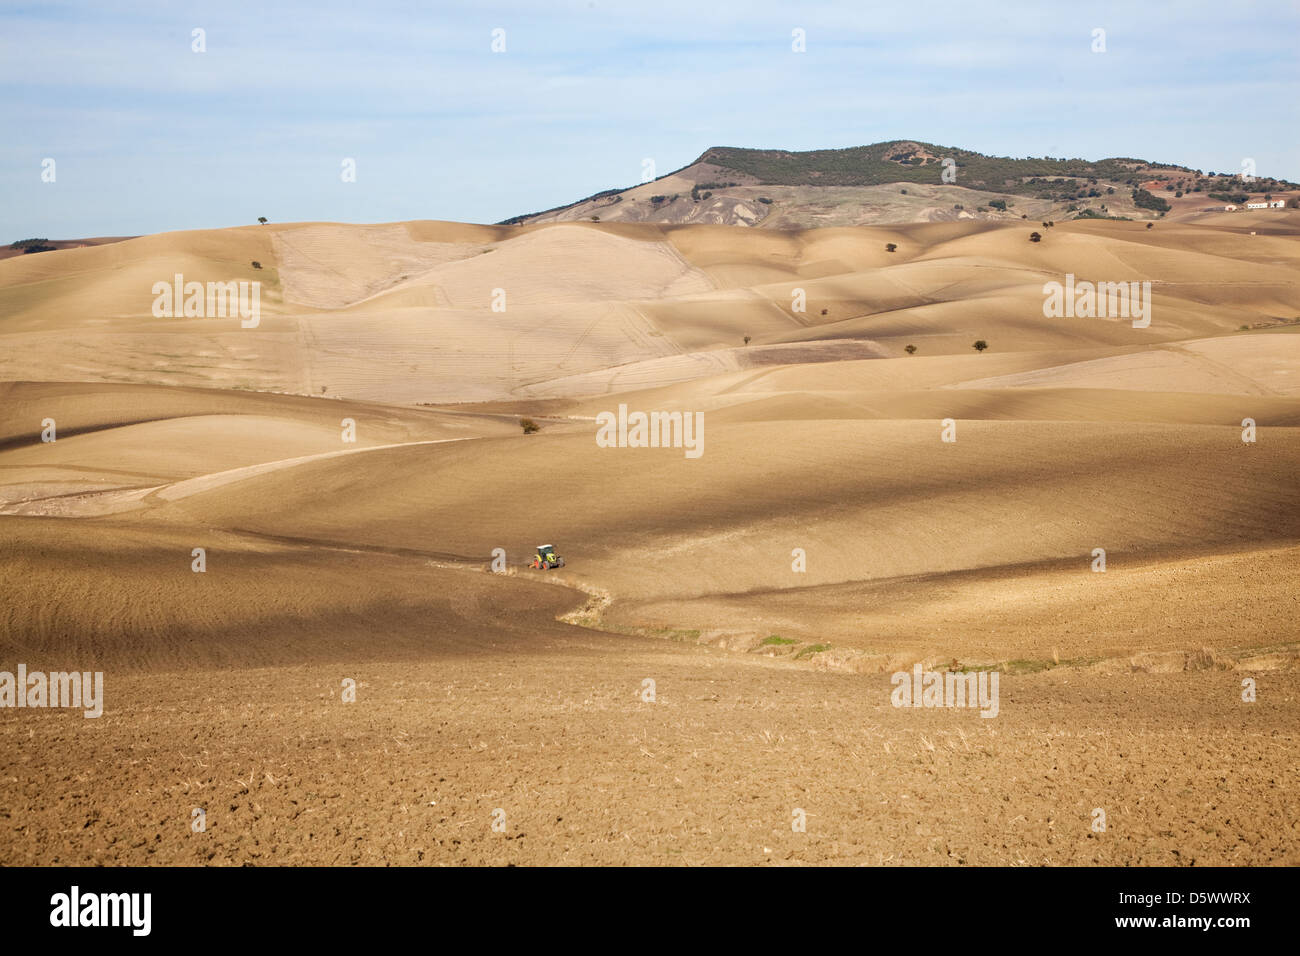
(546, 558)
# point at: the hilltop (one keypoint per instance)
(903, 181)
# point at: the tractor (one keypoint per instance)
(546, 558)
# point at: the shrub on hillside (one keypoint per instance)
(1145, 200)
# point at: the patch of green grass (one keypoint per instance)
(810, 650)
(1024, 666)
(1282, 325)
(672, 633)
(777, 639)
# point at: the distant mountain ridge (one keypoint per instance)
(784, 188)
(909, 161)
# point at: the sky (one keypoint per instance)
(148, 135)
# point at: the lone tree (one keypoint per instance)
(1150, 224)
(256, 264)
(980, 345)
(890, 246)
(262, 220)
(909, 349)
(529, 426)
(1035, 237)
(746, 339)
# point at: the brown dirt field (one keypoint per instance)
(466, 707)
(413, 771)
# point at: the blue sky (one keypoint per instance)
(149, 136)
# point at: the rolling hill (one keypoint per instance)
(351, 465)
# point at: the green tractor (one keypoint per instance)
(546, 558)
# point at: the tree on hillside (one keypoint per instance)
(890, 247)
(1035, 237)
(980, 345)
(262, 220)
(910, 349)
(1144, 200)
